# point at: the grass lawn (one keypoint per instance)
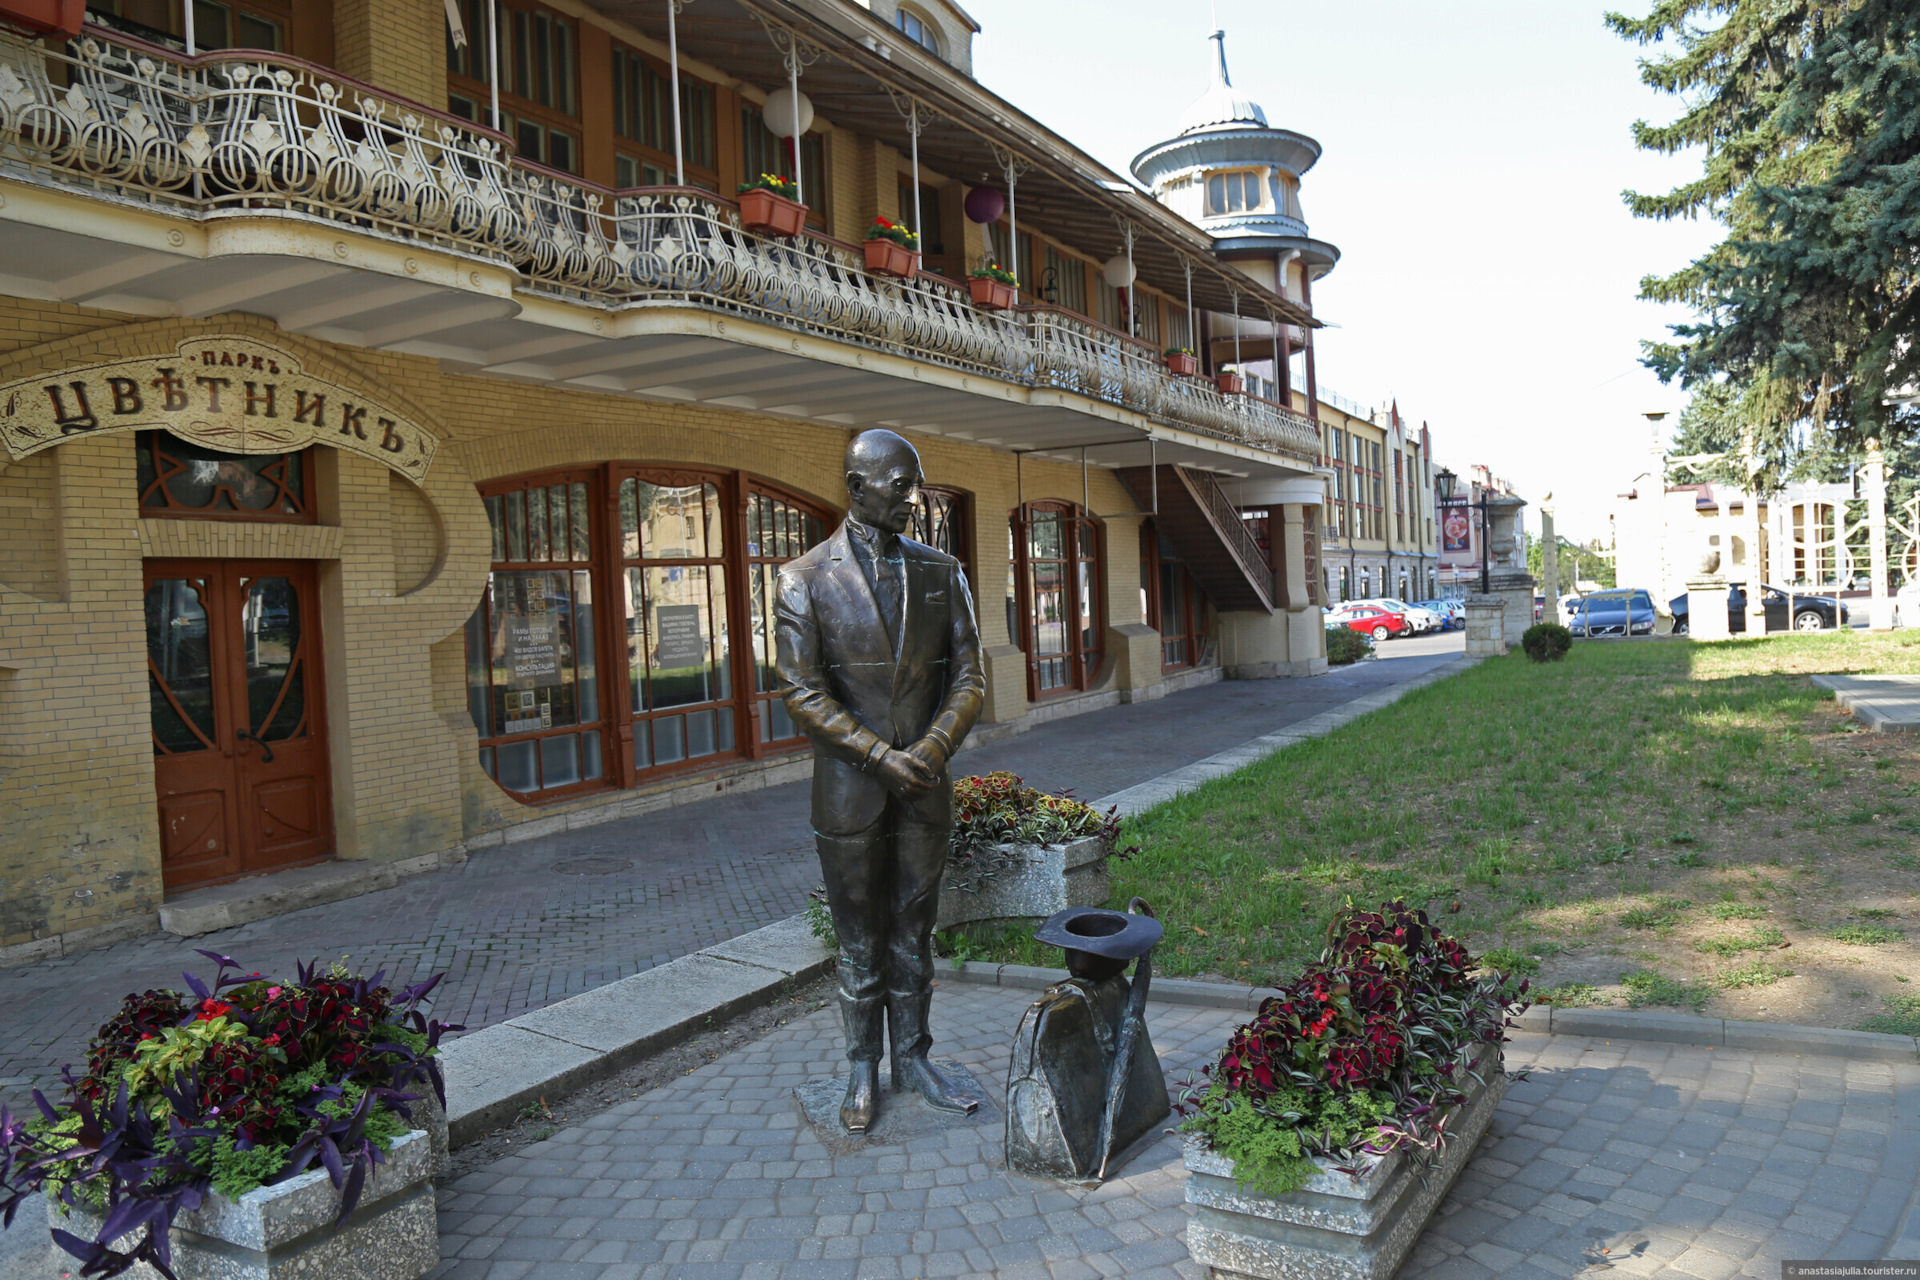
(1645, 823)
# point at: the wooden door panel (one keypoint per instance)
(240, 755)
(194, 832)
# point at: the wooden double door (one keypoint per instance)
(239, 726)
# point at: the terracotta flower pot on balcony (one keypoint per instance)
(1183, 366)
(44, 17)
(1230, 384)
(890, 258)
(991, 295)
(770, 214)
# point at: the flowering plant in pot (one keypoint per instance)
(767, 205)
(242, 1084)
(1369, 1051)
(1231, 382)
(892, 250)
(993, 287)
(1182, 362)
(998, 819)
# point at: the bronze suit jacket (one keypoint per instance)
(849, 691)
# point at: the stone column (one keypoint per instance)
(1874, 476)
(1707, 600)
(1549, 562)
(1508, 578)
(1486, 626)
(1293, 546)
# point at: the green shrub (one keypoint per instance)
(1546, 641)
(1346, 645)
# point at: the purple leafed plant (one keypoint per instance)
(242, 1084)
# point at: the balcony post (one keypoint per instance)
(673, 71)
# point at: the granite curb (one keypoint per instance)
(1145, 795)
(494, 1072)
(1598, 1024)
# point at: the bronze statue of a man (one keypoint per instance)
(879, 662)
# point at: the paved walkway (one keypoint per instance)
(1879, 702)
(1655, 1160)
(514, 933)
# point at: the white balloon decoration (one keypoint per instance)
(1118, 271)
(778, 113)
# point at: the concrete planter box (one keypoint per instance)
(286, 1231)
(1336, 1227)
(1042, 879)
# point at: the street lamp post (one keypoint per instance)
(1444, 481)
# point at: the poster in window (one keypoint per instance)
(677, 629)
(532, 648)
(1456, 530)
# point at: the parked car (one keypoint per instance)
(1453, 613)
(1369, 620)
(1808, 612)
(1418, 620)
(1626, 611)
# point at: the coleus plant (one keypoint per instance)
(245, 1083)
(1367, 1052)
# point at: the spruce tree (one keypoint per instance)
(1808, 113)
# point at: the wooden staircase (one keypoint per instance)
(1203, 525)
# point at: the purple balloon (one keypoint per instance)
(984, 204)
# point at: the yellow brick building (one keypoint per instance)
(380, 486)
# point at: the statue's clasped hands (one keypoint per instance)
(913, 772)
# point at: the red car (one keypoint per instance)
(1369, 621)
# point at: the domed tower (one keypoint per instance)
(1238, 178)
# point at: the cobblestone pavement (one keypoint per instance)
(716, 1176)
(513, 934)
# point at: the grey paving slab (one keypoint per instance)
(514, 931)
(1632, 1172)
(1882, 703)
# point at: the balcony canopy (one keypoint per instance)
(1066, 192)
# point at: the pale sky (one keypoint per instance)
(1473, 157)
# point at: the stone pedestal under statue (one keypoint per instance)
(1707, 607)
(1486, 626)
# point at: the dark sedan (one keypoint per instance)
(1785, 610)
(1611, 613)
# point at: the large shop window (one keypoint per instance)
(1055, 555)
(533, 684)
(180, 478)
(686, 562)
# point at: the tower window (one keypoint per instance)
(919, 30)
(1236, 191)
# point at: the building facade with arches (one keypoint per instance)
(380, 487)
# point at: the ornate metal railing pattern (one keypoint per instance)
(223, 133)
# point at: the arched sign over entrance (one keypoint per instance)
(219, 390)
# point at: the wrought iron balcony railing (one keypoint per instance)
(248, 134)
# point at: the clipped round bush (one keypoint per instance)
(1345, 645)
(1546, 641)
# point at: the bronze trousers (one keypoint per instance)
(883, 889)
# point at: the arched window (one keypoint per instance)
(1236, 191)
(533, 681)
(940, 519)
(1057, 576)
(668, 568)
(918, 28)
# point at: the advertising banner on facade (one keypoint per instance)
(1456, 528)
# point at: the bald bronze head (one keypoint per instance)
(883, 475)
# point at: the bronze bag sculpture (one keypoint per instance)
(1084, 1081)
(879, 664)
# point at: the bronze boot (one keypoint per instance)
(907, 1028)
(862, 1016)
